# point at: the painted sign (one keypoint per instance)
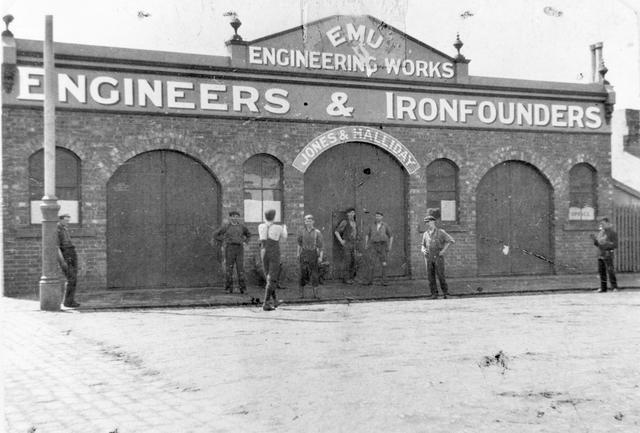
(200, 96)
(355, 133)
(351, 45)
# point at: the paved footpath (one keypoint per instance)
(564, 362)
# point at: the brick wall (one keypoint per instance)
(104, 141)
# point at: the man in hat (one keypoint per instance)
(309, 253)
(68, 260)
(435, 243)
(606, 240)
(233, 236)
(270, 235)
(347, 234)
(380, 239)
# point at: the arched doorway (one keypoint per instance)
(162, 207)
(367, 178)
(514, 221)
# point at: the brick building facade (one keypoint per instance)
(167, 144)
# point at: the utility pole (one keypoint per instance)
(50, 286)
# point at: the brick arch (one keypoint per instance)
(452, 156)
(541, 163)
(192, 150)
(265, 154)
(582, 158)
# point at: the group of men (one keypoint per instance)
(378, 241)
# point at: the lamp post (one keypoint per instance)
(50, 288)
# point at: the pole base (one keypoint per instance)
(50, 294)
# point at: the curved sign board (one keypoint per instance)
(361, 134)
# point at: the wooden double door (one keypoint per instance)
(514, 221)
(364, 177)
(162, 207)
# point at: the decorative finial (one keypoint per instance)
(235, 24)
(458, 45)
(7, 20)
(602, 70)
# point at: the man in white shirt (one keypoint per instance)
(270, 235)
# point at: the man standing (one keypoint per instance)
(435, 243)
(68, 260)
(347, 234)
(381, 239)
(310, 254)
(233, 236)
(606, 240)
(270, 235)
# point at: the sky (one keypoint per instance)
(531, 39)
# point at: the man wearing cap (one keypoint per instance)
(380, 239)
(309, 253)
(606, 240)
(233, 236)
(347, 233)
(270, 235)
(68, 260)
(435, 243)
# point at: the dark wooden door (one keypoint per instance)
(161, 209)
(514, 218)
(367, 178)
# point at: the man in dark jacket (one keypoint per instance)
(606, 240)
(234, 236)
(309, 252)
(435, 242)
(378, 242)
(347, 234)
(68, 260)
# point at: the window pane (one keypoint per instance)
(252, 173)
(253, 206)
(36, 189)
(441, 176)
(66, 169)
(66, 193)
(272, 194)
(441, 168)
(582, 192)
(437, 196)
(270, 173)
(442, 179)
(581, 199)
(433, 204)
(67, 182)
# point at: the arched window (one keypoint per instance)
(262, 187)
(67, 184)
(442, 188)
(582, 192)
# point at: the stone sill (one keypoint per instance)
(35, 232)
